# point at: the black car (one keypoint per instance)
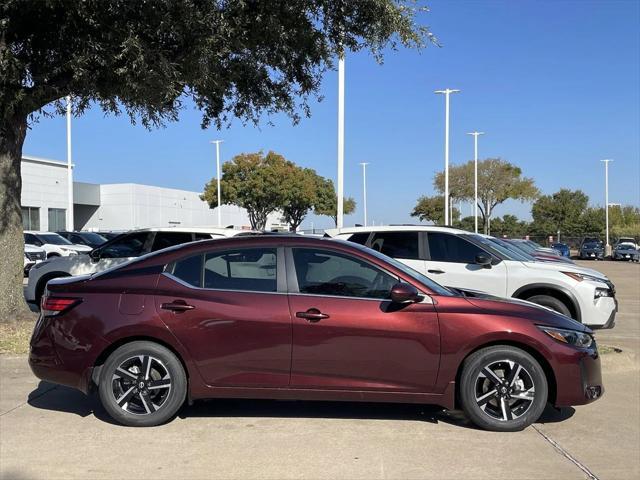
(625, 251)
(90, 239)
(592, 249)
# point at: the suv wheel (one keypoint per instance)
(552, 303)
(142, 384)
(503, 388)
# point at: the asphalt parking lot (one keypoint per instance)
(55, 432)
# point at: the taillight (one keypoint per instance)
(50, 306)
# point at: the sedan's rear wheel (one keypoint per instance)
(142, 384)
(503, 388)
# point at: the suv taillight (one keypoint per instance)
(50, 306)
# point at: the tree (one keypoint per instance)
(254, 182)
(301, 189)
(498, 181)
(561, 211)
(509, 226)
(431, 209)
(327, 202)
(231, 59)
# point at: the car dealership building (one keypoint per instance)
(114, 207)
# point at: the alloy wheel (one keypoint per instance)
(504, 390)
(141, 384)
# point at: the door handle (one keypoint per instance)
(312, 315)
(177, 306)
(436, 271)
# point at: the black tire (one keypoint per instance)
(552, 303)
(155, 403)
(530, 381)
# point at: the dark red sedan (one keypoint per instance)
(289, 317)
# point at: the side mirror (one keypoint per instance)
(484, 260)
(404, 293)
(95, 254)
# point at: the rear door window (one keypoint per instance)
(360, 238)
(397, 244)
(169, 239)
(251, 269)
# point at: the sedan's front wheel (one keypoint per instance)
(142, 384)
(503, 388)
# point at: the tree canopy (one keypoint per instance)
(431, 209)
(498, 181)
(231, 59)
(561, 211)
(327, 204)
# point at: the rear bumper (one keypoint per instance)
(58, 356)
(580, 383)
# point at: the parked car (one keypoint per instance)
(525, 246)
(33, 255)
(121, 249)
(294, 317)
(562, 248)
(591, 250)
(625, 251)
(90, 239)
(463, 260)
(53, 244)
(537, 246)
(629, 241)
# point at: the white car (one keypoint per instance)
(33, 255)
(466, 261)
(53, 244)
(118, 250)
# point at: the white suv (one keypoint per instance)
(54, 244)
(117, 250)
(467, 261)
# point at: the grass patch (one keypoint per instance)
(14, 336)
(605, 349)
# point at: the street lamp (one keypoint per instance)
(446, 93)
(340, 193)
(475, 176)
(364, 190)
(218, 142)
(607, 247)
(70, 225)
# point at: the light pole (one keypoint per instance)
(475, 176)
(607, 247)
(340, 193)
(70, 225)
(364, 190)
(218, 142)
(446, 93)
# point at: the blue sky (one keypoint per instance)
(554, 84)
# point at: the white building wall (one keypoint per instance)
(44, 185)
(129, 206)
(125, 206)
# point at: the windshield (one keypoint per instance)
(433, 286)
(93, 238)
(506, 249)
(53, 239)
(592, 245)
(625, 247)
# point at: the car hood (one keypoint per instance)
(521, 308)
(32, 249)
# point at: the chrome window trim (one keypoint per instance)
(193, 287)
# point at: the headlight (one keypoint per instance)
(571, 337)
(602, 292)
(583, 276)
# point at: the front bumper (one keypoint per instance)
(579, 382)
(591, 254)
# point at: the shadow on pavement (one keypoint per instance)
(63, 399)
